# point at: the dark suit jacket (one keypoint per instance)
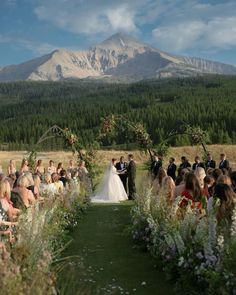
(185, 165)
(156, 165)
(118, 166)
(210, 164)
(131, 171)
(171, 170)
(195, 165)
(224, 164)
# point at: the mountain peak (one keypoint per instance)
(121, 40)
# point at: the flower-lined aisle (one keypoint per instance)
(196, 253)
(30, 264)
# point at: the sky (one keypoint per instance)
(200, 28)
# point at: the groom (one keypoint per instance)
(131, 173)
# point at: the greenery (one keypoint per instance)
(30, 265)
(107, 262)
(195, 254)
(27, 109)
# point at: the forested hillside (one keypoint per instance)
(28, 109)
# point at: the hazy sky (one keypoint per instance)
(203, 28)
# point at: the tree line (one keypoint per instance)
(28, 109)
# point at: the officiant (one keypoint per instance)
(122, 169)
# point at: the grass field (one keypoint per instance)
(140, 158)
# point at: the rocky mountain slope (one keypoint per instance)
(118, 56)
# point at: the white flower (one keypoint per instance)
(181, 261)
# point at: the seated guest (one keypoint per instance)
(39, 167)
(210, 163)
(26, 195)
(47, 187)
(180, 185)
(192, 192)
(224, 179)
(155, 166)
(171, 170)
(24, 166)
(184, 163)
(57, 183)
(30, 181)
(51, 168)
(63, 178)
(200, 173)
(71, 167)
(224, 163)
(11, 168)
(233, 180)
(168, 188)
(208, 184)
(227, 202)
(37, 183)
(59, 168)
(157, 183)
(197, 163)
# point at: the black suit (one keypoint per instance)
(155, 167)
(131, 173)
(171, 170)
(210, 164)
(224, 164)
(196, 165)
(185, 165)
(123, 177)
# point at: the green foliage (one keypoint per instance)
(27, 109)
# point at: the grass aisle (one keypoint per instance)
(108, 263)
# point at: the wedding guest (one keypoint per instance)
(224, 179)
(210, 163)
(5, 192)
(47, 187)
(156, 165)
(59, 168)
(192, 192)
(39, 167)
(24, 166)
(197, 163)
(121, 168)
(171, 169)
(180, 186)
(184, 163)
(11, 167)
(233, 180)
(63, 178)
(82, 172)
(71, 167)
(37, 183)
(51, 168)
(224, 163)
(227, 202)
(30, 181)
(208, 185)
(168, 188)
(200, 173)
(26, 195)
(57, 183)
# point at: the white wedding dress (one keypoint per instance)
(111, 189)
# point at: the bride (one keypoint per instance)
(111, 189)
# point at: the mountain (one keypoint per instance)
(118, 56)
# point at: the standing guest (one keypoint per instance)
(210, 163)
(224, 163)
(59, 167)
(184, 163)
(156, 165)
(233, 180)
(11, 167)
(197, 163)
(171, 169)
(24, 166)
(51, 168)
(83, 172)
(131, 173)
(39, 167)
(121, 169)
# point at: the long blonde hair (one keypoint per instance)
(5, 189)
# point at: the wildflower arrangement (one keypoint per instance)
(194, 253)
(28, 266)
